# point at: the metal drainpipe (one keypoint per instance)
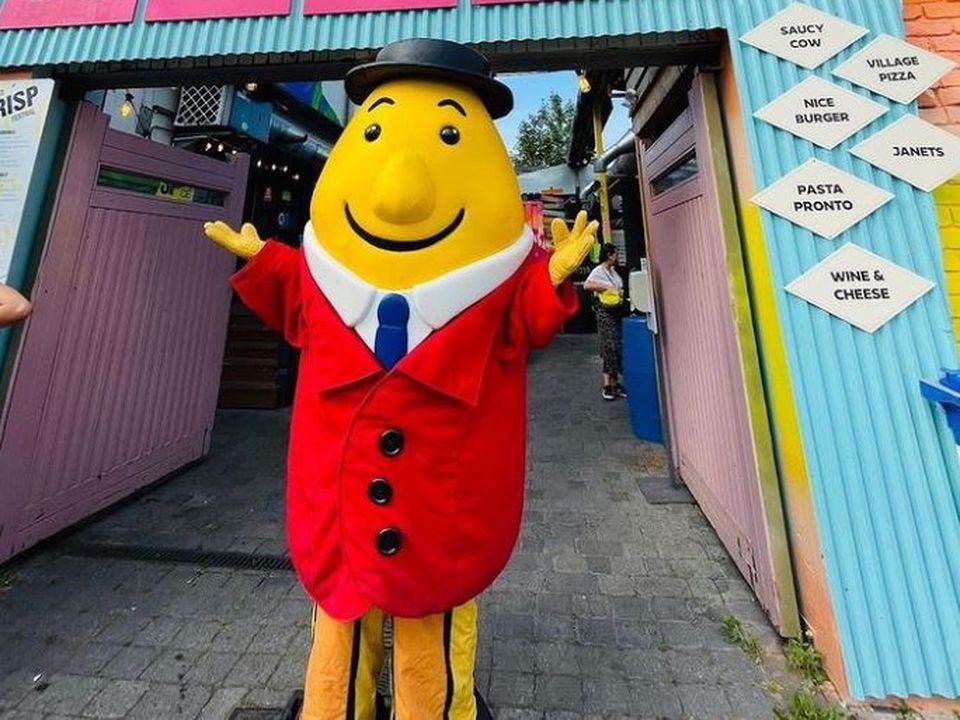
(603, 193)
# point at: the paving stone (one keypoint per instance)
(555, 628)
(170, 666)
(512, 689)
(130, 662)
(158, 631)
(222, 703)
(166, 700)
(692, 667)
(289, 673)
(518, 714)
(66, 694)
(273, 638)
(659, 700)
(514, 656)
(515, 627)
(115, 699)
(701, 702)
(606, 694)
(749, 702)
(559, 692)
(196, 634)
(252, 670)
(557, 659)
(211, 668)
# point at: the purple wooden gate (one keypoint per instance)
(720, 439)
(117, 376)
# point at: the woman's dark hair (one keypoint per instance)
(607, 250)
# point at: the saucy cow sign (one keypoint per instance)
(23, 14)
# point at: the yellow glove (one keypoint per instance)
(570, 247)
(245, 243)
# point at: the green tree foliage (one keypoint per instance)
(544, 135)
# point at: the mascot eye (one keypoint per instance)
(450, 135)
(372, 132)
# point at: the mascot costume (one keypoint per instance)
(415, 301)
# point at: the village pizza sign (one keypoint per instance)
(24, 14)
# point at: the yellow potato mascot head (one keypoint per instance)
(415, 300)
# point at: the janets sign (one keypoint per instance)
(22, 14)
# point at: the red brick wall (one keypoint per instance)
(935, 25)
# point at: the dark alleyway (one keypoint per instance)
(611, 607)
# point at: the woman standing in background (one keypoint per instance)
(607, 286)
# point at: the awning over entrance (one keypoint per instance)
(240, 45)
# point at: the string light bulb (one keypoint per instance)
(126, 109)
(583, 83)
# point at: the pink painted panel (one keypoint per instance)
(163, 10)
(328, 7)
(505, 2)
(117, 378)
(711, 436)
(17, 14)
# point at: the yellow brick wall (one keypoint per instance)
(935, 26)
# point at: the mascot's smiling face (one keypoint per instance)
(419, 184)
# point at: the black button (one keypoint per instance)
(391, 442)
(388, 541)
(380, 491)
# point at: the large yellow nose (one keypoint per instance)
(403, 192)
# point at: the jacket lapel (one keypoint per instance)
(339, 356)
(453, 359)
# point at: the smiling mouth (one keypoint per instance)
(401, 245)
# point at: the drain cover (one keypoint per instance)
(290, 712)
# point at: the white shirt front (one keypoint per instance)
(432, 304)
(602, 274)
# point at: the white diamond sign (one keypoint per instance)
(864, 289)
(895, 69)
(821, 112)
(914, 151)
(804, 35)
(822, 198)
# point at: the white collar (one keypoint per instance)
(436, 302)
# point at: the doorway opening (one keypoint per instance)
(246, 144)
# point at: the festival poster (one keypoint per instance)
(328, 7)
(167, 10)
(24, 106)
(22, 14)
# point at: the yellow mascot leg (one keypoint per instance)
(433, 664)
(342, 671)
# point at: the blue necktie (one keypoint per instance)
(391, 342)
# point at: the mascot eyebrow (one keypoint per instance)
(454, 104)
(381, 101)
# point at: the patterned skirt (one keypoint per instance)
(609, 345)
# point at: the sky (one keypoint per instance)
(529, 89)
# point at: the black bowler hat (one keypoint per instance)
(433, 59)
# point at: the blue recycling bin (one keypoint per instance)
(640, 379)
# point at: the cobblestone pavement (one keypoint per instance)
(610, 608)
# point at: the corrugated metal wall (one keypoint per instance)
(883, 467)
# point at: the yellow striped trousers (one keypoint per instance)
(433, 665)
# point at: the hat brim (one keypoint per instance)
(364, 79)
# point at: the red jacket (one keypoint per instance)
(426, 528)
